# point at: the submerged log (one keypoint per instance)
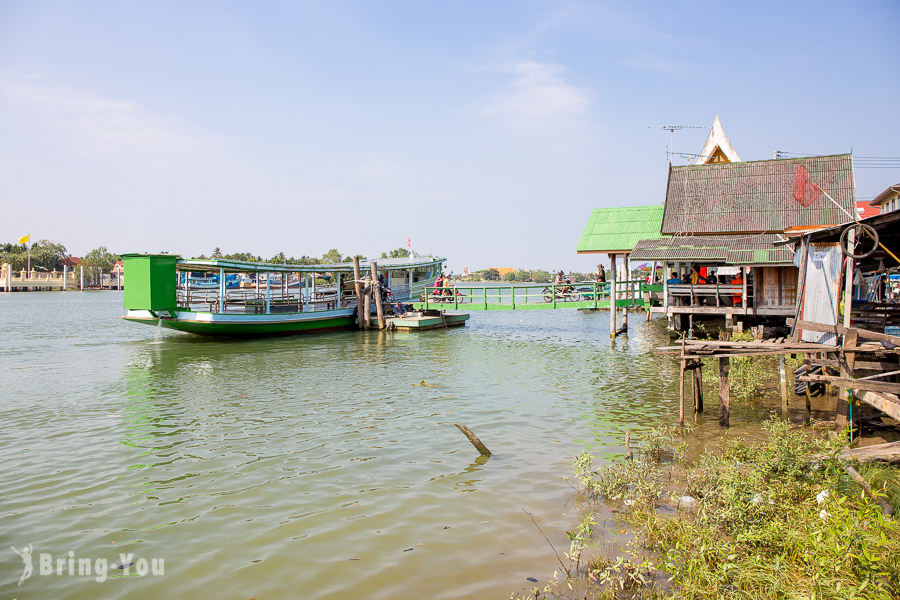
(474, 439)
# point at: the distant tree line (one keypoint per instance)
(519, 276)
(48, 256)
(45, 255)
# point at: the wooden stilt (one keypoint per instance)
(612, 296)
(376, 290)
(846, 362)
(367, 301)
(357, 279)
(724, 393)
(681, 386)
(784, 390)
(808, 405)
(698, 388)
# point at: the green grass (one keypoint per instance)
(774, 519)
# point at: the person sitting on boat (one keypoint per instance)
(399, 310)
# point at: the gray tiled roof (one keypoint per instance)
(727, 249)
(755, 196)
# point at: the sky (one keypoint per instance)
(484, 132)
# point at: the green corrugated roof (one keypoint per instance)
(620, 229)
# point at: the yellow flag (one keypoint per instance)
(24, 239)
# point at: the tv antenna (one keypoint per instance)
(672, 129)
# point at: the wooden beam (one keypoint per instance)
(889, 452)
(864, 334)
(855, 384)
(887, 404)
(861, 365)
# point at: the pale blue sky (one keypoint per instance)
(484, 131)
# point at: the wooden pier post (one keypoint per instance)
(846, 363)
(612, 296)
(698, 388)
(681, 386)
(81, 287)
(784, 390)
(724, 392)
(367, 302)
(376, 290)
(357, 284)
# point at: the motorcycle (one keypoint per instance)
(565, 293)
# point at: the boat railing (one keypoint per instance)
(401, 292)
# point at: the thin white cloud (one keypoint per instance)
(656, 62)
(538, 95)
(86, 124)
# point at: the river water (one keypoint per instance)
(308, 466)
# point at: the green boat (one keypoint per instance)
(158, 292)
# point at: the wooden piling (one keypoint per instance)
(846, 363)
(724, 392)
(698, 388)
(479, 445)
(784, 390)
(376, 289)
(367, 301)
(612, 296)
(628, 452)
(357, 284)
(681, 387)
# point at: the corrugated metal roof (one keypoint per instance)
(619, 229)
(755, 196)
(726, 249)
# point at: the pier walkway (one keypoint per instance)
(585, 295)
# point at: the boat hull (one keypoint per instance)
(246, 325)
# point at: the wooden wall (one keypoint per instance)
(775, 286)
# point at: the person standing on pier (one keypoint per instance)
(601, 274)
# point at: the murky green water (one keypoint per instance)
(307, 466)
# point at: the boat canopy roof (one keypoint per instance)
(240, 266)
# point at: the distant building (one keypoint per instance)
(888, 200)
(72, 261)
(865, 209)
(503, 270)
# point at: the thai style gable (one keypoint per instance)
(717, 148)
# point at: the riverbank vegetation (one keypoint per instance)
(779, 518)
